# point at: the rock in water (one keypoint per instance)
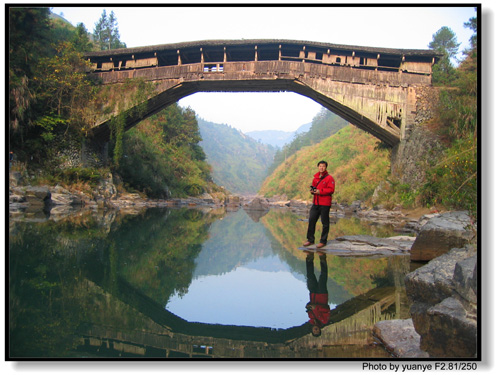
(440, 234)
(399, 338)
(257, 204)
(444, 304)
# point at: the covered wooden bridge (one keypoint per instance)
(376, 89)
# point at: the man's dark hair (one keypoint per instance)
(316, 334)
(322, 162)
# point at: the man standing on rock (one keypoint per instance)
(322, 188)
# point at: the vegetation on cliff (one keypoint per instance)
(453, 181)
(49, 91)
(162, 156)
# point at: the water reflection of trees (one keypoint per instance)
(44, 299)
(158, 252)
(49, 260)
(235, 240)
(355, 275)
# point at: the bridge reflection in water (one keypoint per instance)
(348, 334)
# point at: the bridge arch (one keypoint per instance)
(375, 89)
(168, 335)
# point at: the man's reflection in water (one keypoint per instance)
(317, 308)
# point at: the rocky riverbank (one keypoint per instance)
(58, 201)
(443, 294)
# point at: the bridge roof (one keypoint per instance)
(253, 42)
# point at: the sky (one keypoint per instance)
(376, 26)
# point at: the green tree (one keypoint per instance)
(106, 32)
(80, 40)
(29, 40)
(453, 181)
(458, 107)
(162, 157)
(472, 24)
(64, 88)
(114, 41)
(445, 42)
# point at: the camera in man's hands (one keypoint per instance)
(312, 188)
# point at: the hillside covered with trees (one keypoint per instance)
(162, 156)
(354, 161)
(52, 105)
(324, 124)
(453, 180)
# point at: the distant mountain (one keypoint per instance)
(277, 138)
(239, 162)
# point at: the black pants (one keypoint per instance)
(317, 285)
(314, 214)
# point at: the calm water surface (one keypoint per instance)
(190, 282)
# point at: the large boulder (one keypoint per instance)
(232, 201)
(297, 205)
(440, 234)
(443, 296)
(38, 196)
(107, 188)
(257, 204)
(62, 197)
(15, 179)
(452, 332)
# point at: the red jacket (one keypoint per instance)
(326, 187)
(320, 309)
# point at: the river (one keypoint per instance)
(194, 282)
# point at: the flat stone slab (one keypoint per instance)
(366, 246)
(399, 338)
